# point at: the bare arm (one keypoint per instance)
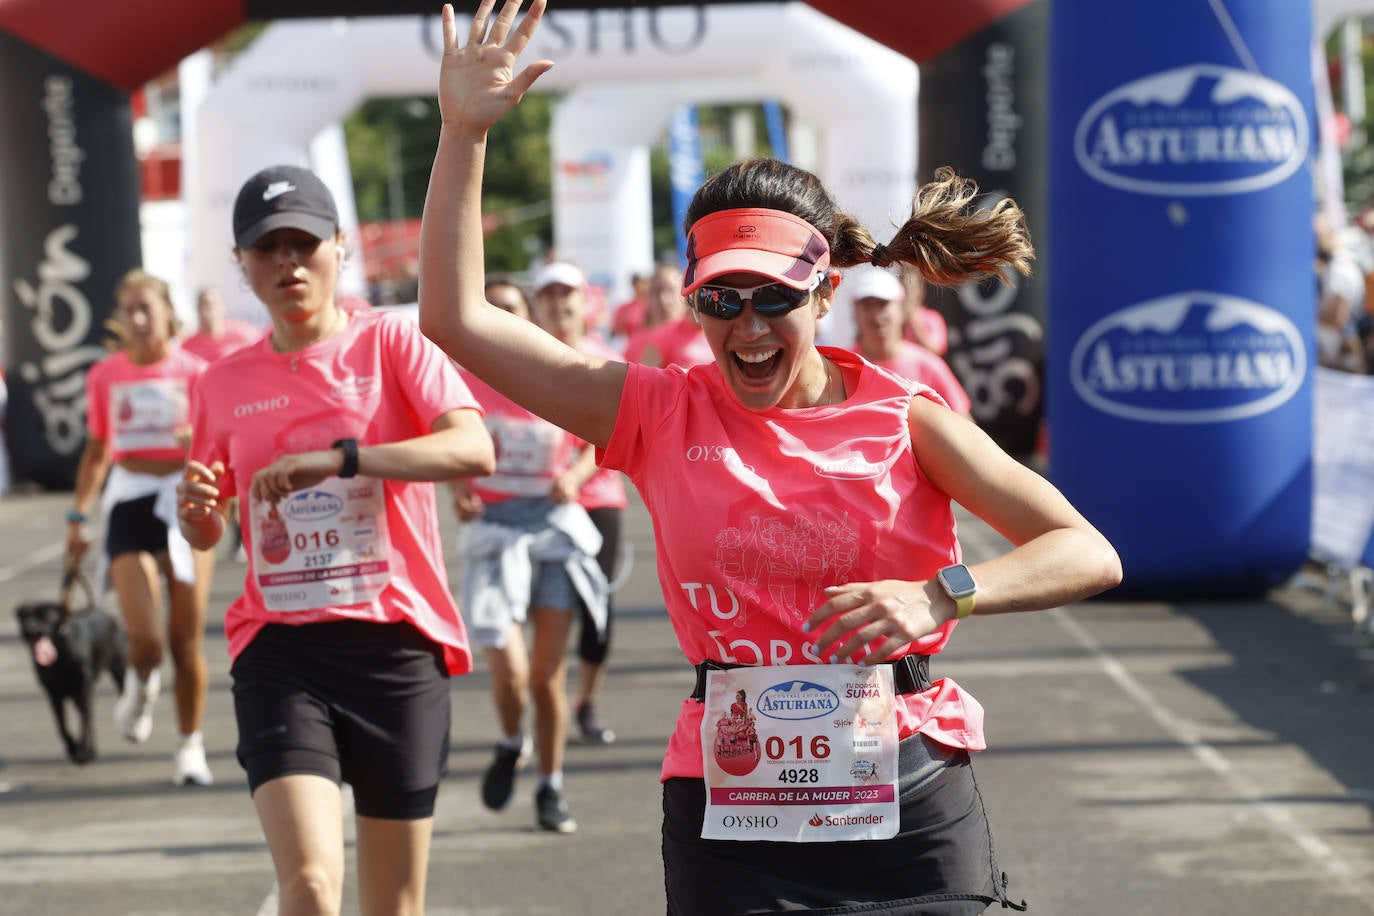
(477, 85)
(569, 484)
(1058, 557)
(201, 515)
(457, 445)
(91, 471)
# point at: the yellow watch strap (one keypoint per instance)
(964, 606)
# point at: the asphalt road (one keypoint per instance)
(1175, 758)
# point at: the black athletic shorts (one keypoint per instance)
(352, 701)
(133, 528)
(941, 863)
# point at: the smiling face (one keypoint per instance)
(293, 273)
(770, 362)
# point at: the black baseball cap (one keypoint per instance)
(283, 197)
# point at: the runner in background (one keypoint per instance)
(528, 552)
(217, 335)
(664, 304)
(331, 430)
(879, 309)
(675, 340)
(923, 325)
(838, 474)
(560, 309)
(137, 433)
(630, 315)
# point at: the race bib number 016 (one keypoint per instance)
(322, 547)
(800, 753)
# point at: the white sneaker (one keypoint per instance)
(134, 709)
(191, 768)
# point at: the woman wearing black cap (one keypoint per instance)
(331, 431)
(802, 507)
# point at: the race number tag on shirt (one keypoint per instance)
(322, 547)
(526, 455)
(147, 414)
(800, 754)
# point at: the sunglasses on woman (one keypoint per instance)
(770, 300)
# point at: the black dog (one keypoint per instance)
(69, 651)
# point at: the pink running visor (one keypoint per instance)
(773, 243)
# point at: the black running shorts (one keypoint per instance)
(133, 528)
(352, 701)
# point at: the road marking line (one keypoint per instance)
(38, 557)
(1278, 815)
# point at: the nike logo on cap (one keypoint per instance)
(277, 189)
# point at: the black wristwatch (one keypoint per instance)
(350, 456)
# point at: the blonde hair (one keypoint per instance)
(140, 279)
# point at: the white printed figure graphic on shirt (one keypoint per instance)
(147, 414)
(789, 560)
(841, 548)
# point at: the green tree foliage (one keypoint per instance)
(391, 144)
(391, 148)
(1357, 159)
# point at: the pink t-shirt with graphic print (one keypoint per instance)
(915, 362)
(138, 410)
(377, 381)
(755, 514)
(606, 489)
(530, 451)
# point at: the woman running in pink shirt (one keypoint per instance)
(801, 500)
(560, 308)
(879, 312)
(138, 430)
(330, 430)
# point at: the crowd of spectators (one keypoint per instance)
(1345, 294)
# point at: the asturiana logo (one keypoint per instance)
(1193, 357)
(851, 467)
(1200, 130)
(797, 700)
(313, 506)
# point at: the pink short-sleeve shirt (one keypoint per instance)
(236, 335)
(915, 362)
(755, 514)
(140, 411)
(377, 381)
(530, 451)
(606, 489)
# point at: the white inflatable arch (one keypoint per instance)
(282, 99)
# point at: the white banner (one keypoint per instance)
(1342, 465)
(625, 71)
